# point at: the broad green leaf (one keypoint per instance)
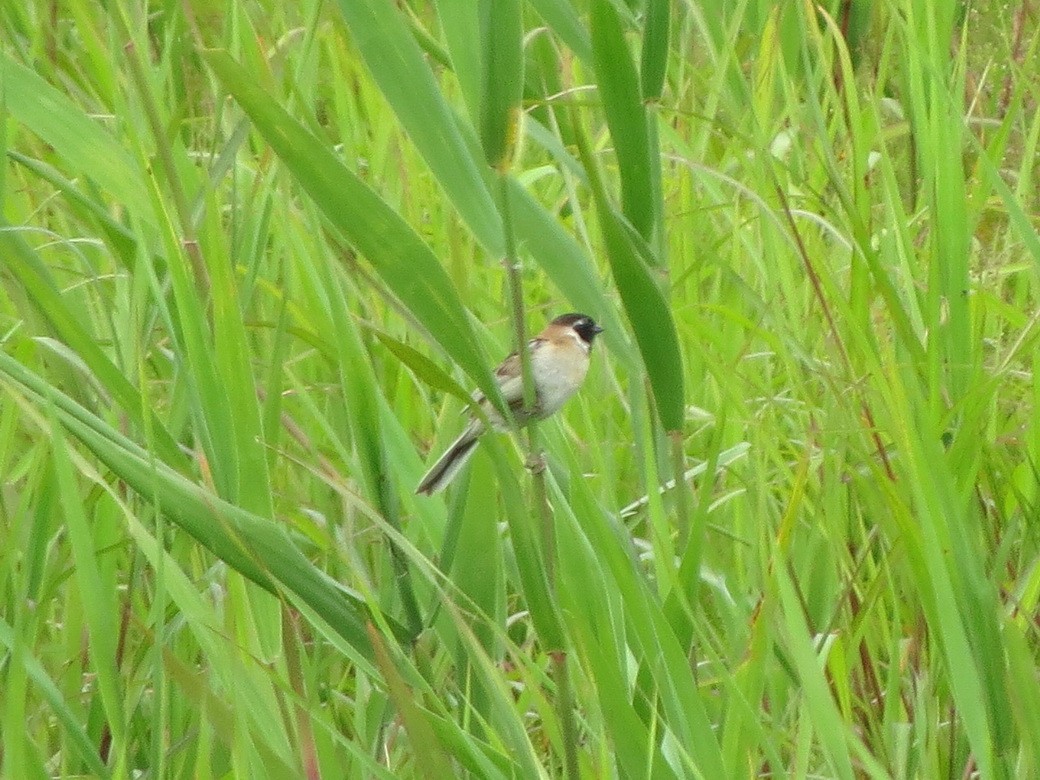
(405, 263)
(420, 365)
(618, 85)
(80, 140)
(651, 319)
(460, 21)
(30, 272)
(645, 305)
(654, 56)
(259, 549)
(501, 34)
(399, 68)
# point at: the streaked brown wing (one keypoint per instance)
(508, 367)
(509, 379)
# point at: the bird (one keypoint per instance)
(559, 361)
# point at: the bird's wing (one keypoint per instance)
(510, 382)
(510, 379)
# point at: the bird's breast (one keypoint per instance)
(559, 372)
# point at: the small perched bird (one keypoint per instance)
(559, 362)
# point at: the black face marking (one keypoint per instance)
(583, 325)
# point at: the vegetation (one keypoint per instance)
(256, 254)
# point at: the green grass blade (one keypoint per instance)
(81, 141)
(99, 603)
(398, 67)
(656, 48)
(258, 548)
(667, 662)
(460, 21)
(398, 254)
(529, 555)
(432, 762)
(822, 710)
(68, 326)
(71, 725)
(503, 61)
(563, 19)
(618, 85)
(647, 310)
(1024, 694)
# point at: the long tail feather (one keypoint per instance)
(451, 462)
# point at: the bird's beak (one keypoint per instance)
(597, 329)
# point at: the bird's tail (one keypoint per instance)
(451, 462)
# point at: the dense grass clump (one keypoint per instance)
(254, 258)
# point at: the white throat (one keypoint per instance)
(585, 346)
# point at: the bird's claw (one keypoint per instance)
(535, 462)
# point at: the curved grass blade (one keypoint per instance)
(503, 67)
(644, 302)
(460, 24)
(618, 85)
(260, 550)
(71, 722)
(399, 255)
(421, 366)
(563, 19)
(399, 68)
(30, 272)
(80, 141)
(121, 239)
(654, 56)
